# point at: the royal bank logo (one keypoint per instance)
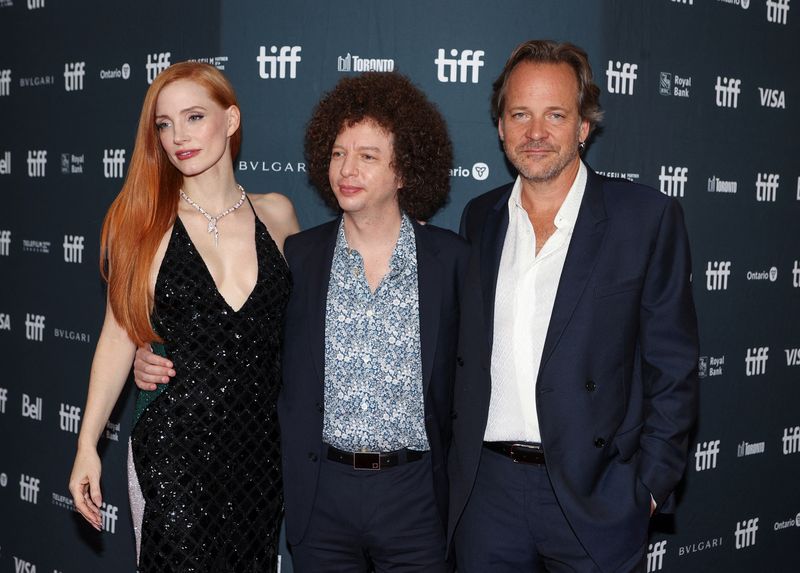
(748, 449)
(34, 327)
(35, 246)
(795, 269)
(705, 455)
(672, 180)
(113, 163)
(122, 72)
(709, 366)
(112, 431)
(5, 82)
(621, 77)
(20, 564)
(73, 76)
(273, 166)
(73, 248)
(37, 162)
(5, 321)
(717, 185)
(35, 4)
(657, 550)
(3, 400)
(755, 361)
(767, 187)
(745, 533)
(461, 67)
(279, 63)
(727, 92)
(218, 62)
(479, 171)
(5, 163)
(29, 488)
(717, 273)
(5, 243)
(674, 85)
(777, 11)
(353, 63)
(772, 98)
(156, 63)
(108, 513)
(69, 418)
(791, 440)
(745, 4)
(32, 407)
(72, 164)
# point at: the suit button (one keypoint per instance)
(320, 409)
(590, 386)
(459, 361)
(599, 443)
(312, 457)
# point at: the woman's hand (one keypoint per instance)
(84, 485)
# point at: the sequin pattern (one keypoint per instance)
(373, 365)
(206, 451)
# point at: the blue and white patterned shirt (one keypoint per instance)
(373, 363)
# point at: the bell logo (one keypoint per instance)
(5, 82)
(468, 62)
(20, 565)
(621, 77)
(5, 243)
(791, 440)
(73, 76)
(32, 408)
(746, 533)
(73, 249)
(113, 163)
(767, 187)
(756, 361)
(705, 455)
(777, 11)
(34, 327)
(156, 63)
(772, 98)
(656, 551)
(672, 180)
(28, 489)
(37, 162)
(717, 274)
(69, 418)
(109, 517)
(278, 62)
(728, 90)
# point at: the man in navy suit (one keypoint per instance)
(576, 382)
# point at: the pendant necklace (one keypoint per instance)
(212, 221)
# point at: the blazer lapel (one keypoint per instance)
(492, 239)
(318, 273)
(429, 280)
(580, 262)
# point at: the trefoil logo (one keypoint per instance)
(278, 61)
(468, 62)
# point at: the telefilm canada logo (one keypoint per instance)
(36, 246)
(460, 67)
(670, 84)
(479, 171)
(354, 63)
(621, 77)
(280, 63)
(620, 175)
(218, 62)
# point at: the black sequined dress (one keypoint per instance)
(204, 456)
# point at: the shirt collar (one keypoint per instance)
(404, 250)
(568, 213)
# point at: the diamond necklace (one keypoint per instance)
(212, 221)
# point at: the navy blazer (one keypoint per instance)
(616, 391)
(441, 263)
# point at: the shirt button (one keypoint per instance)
(370, 312)
(590, 386)
(355, 271)
(599, 443)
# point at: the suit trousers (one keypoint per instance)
(384, 521)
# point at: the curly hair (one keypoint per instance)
(423, 152)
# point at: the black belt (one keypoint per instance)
(521, 453)
(374, 460)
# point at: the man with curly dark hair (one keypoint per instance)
(370, 337)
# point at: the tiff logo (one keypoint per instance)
(767, 187)
(34, 327)
(795, 270)
(717, 274)
(746, 533)
(69, 418)
(109, 515)
(156, 63)
(756, 361)
(37, 161)
(705, 455)
(672, 180)
(5, 243)
(728, 90)
(656, 551)
(459, 65)
(28, 488)
(3, 400)
(32, 408)
(34, 4)
(73, 76)
(621, 77)
(5, 82)
(791, 440)
(288, 55)
(777, 11)
(20, 565)
(73, 248)
(113, 163)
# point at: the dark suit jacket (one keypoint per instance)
(616, 391)
(441, 263)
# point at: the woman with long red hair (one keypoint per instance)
(196, 264)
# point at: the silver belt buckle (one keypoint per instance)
(366, 461)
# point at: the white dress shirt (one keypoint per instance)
(526, 290)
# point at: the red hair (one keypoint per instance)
(148, 204)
